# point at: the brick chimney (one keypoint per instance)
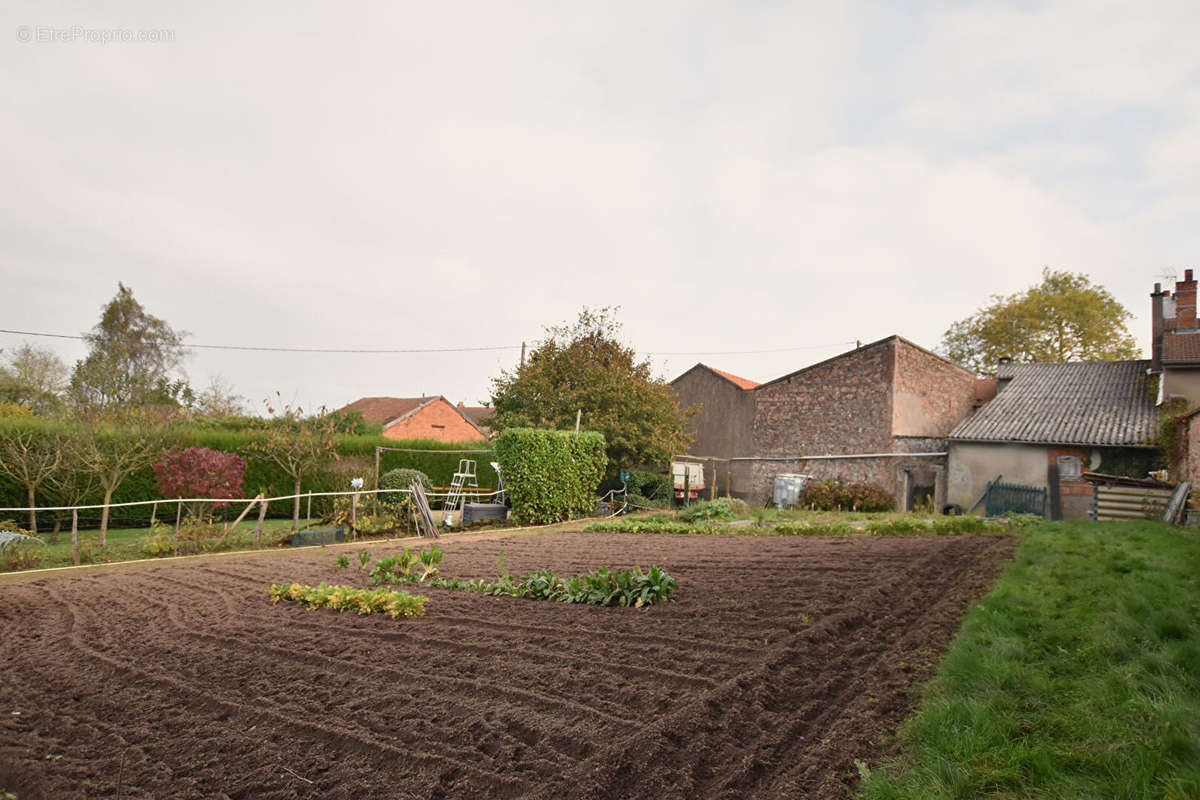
(1185, 302)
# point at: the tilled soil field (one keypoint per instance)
(782, 662)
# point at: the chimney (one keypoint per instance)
(1185, 302)
(1156, 326)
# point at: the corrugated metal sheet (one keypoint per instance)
(1093, 403)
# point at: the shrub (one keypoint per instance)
(651, 485)
(401, 478)
(551, 476)
(199, 472)
(723, 508)
(832, 494)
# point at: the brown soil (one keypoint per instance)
(783, 661)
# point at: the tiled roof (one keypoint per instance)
(380, 410)
(477, 414)
(1179, 346)
(1094, 403)
(741, 383)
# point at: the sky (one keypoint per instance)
(782, 178)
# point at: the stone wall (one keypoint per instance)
(931, 395)
(843, 405)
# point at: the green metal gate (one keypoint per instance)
(1005, 497)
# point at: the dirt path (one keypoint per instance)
(783, 661)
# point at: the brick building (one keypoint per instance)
(1075, 417)
(419, 418)
(878, 413)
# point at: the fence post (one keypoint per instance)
(75, 536)
(153, 514)
(308, 514)
(354, 516)
(175, 535)
(262, 512)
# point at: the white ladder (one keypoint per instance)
(464, 477)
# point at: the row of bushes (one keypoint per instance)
(357, 459)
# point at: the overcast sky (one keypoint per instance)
(741, 176)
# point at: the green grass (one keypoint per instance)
(1078, 676)
(124, 544)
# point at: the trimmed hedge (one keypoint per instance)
(551, 476)
(357, 459)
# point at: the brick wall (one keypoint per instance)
(843, 405)
(754, 481)
(439, 421)
(931, 395)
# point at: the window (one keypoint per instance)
(1070, 468)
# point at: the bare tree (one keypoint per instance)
(30, 456)
(72, 484)
(114, 450)
(299, 445)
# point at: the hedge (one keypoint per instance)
(551, 476)
(357, 459)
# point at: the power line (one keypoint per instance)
(756, 352)
(291, 349)
(384, 351)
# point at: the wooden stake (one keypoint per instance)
(262, 512)
(153, 514)
(175, 536)
(308, 514)
(75, 536)
(578, 417)
(353, 516)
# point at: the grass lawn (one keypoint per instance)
(124, 544)
(1077, 676)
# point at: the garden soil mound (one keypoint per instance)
(783, 662)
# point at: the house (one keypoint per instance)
(477, 414)
(1175, 342)
(418, 418)
(1074, 417)
(879, 413)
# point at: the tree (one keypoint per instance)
(114, 449)
(72, 484)
(34, 378)
(1064, 318)
(584, 367)
(131, 360)
(219, 400)
(299, 445)
(30, 457)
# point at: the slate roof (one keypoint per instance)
(1181, 347)
(1091, 403)
(381, 410)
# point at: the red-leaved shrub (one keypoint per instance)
(200, 472)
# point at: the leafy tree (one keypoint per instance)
(29, 457)
(584, 367)
(131, 360)
(34, 378)
(300, 445)
(1063, 318)
(199, 472)
(117, 447)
